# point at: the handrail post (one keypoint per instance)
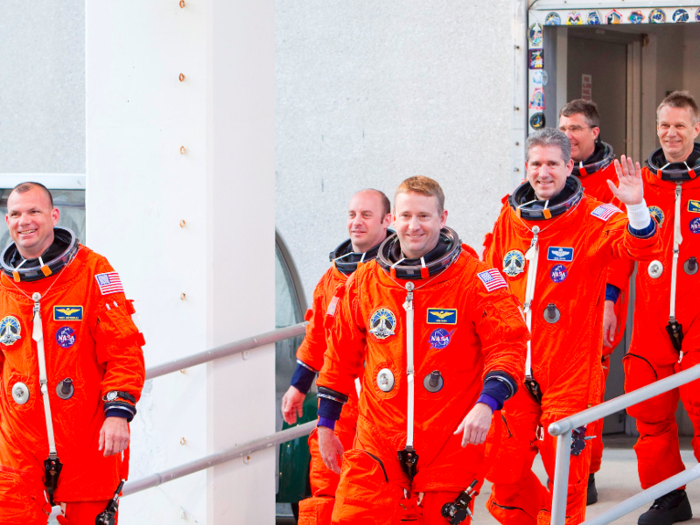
(561, 479)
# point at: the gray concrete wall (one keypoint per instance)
(42, 86)
(369, 93)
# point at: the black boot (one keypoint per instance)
(668, 509)
(592, 494)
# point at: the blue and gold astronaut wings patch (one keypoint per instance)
(67, 313)
(442, 316)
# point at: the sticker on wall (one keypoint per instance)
(537, 121)
(657, 16)
(613, 17)
(552, 19)
(681, 15)
(636, 17)
(574, 19)
(534, 35)
(536, 58)
(697, 15)
(537, 100)
(540, 78)
(587, 87)
(594, 18)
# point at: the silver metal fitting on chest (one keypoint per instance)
(65, 389)
(433, 382)
(691, 266)
(20, 393)
(551, 313)
(385, 380)
(655, 269)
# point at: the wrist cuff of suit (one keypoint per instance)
(119, 404)
(303, 377)
(639, 216)
(326, 422)
(612, 292)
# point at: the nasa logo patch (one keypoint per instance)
(558, 273)
(382, 323)
(694, 225)
(513, 263)
(658, 214)
(65, 337)
(556, 253)
(440, 338)
(10, 330)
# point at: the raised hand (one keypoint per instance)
(629, 175)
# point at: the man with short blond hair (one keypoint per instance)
(666, 334)
(439, 342)
(369, 216)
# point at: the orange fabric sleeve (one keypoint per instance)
(313, 347)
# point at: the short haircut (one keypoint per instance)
(682, 100)
(425, 186)
(587, 108)
(24, 187)
(386, 205)
(549, 137)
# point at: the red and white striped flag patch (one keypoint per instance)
(492, 279)
(605, 211)
(109, 283)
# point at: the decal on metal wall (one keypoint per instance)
(613, 17)
(636, 17)
(680, 15)
(657, 16)
(536, 58)
(534, 35)
(537, 120)
(552, 19)
(537, 100)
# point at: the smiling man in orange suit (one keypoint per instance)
(369, 216)
(666, 334)
(72, 371)
(594, 166)
(554, 244)
(439, 342)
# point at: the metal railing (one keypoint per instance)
(237, 451)
(562, 429)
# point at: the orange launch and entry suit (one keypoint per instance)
(467, 331)
(94, 366)
(594, 173)
(565, 249)
(673, 196)
(324, 482)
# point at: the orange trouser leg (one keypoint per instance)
(657, 449)
(84, 512)
(365, 494)
(577, 484)
(690, 395)
(317, 510)
(22, 502)
(517, 496)
(596, 428)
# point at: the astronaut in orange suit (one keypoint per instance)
(594, 166)
(369, 216)
(439, 342)
(554, 243)
(666, 335)
(72, 371)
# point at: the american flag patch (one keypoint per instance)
(492, 279)
(109, 283)
(605, 211)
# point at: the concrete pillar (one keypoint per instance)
(180, 198)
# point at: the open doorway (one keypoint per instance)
(626, 61)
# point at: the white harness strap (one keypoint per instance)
(677, 240)
(408, 306)
(38, 336)
(532, 255)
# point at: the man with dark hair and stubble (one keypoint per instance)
(554, 244)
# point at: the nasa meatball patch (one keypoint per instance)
(382, 323)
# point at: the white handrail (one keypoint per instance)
(562, 429)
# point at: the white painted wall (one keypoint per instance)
(369, 93)
(140, 187)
